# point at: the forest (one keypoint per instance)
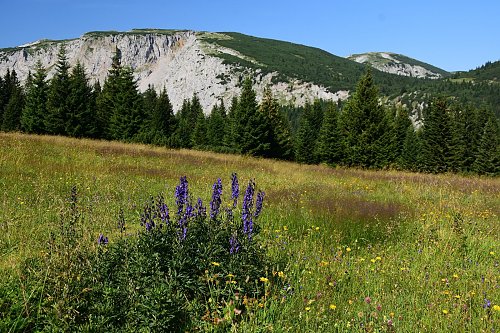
(360, 132)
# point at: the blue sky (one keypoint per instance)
(453, 35)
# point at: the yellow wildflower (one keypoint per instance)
(445, 311)
(308, 308)
(455, 276)
(263, 279)
(333, 306)
(348, 249)
(215, 263)
(281, 274)
(378, 258)
(496, 308)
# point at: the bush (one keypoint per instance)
(184, 268)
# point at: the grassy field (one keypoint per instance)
(368, 251)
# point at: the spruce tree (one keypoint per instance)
(57, 100)
(328, 147)
(217, 126)
(436, 137)
(231, 137)
(162, 120)
(305, 138)
(35, 108)
(185, 125)
(13, 110)
(488, 155)
(412, 146)
(199, 136)
(281, 144)
(81, 118)
(363, 124)
(252, 127)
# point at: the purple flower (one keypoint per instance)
(181, 194)
(216, 199)
(487, 303)
(246, 212)
(235, 189)
(102, 240)
(183, 221)
(164, 214)
(258, 203)
(234, 245)
(200, 210)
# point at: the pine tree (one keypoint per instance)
(412, 146)
(281, 144)
(185, 125)
(436, 137)
(199, 136)
(305, 138)
(13, 110)
(217, 126)
(328, 147)
(35, 108)
(363, 124)
(57, 100)
(81, 118)
(162, 120)
(488, 156)
(251, 127)
(231, 136)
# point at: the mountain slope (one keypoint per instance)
(488, 72)
(399, 64)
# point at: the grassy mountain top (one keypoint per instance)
(298, 61)
(488, 72)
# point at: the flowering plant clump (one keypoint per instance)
(183, 258)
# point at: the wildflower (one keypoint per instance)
(378, 258)
(200, 210)
(333, 306)
(368, 300)
(379, 307)
(391, 314)
(234, 245)
(389, 323)
(455, 276)
(308, 308)
(492, 253)
(263, 279)
(496, 308)
(163, 212)
(281, 274)
(235, 189)
(181, 194)
(258, 203)
(216, 199)
(445, 312)
(487, 303)
(102, 240)
(246, 214)
(214, 263)
(348, 249)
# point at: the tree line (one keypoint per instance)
(360, 133)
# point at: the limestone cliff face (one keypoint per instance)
(180, 61)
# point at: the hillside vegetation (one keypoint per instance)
(346, 249)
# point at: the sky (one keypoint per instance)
(450, 34)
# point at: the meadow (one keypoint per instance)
(355, 250)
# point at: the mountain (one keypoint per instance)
(185, 62)
(489, 72)
(213, 66)
(399, 64)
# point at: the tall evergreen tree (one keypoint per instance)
(363, 124)
(305, 138)
(437, 137)
(199, 136)
(251, 127)
(57, 100)
(162, 120)
(217, 126)
(281, 144)
(488, 155)
(328, 147)
(13, 110)
(412, 147)
(35, 108)
(231, 136)
(81, 118)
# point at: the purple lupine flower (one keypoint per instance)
(246, 212)
(181, 194)
(216, 199)
(147, 218)
(102, 240)
(234, 245)
(183, 221)
(164, 214)
(235, 189)
(200, 210)
(258, 203)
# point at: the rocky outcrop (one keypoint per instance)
(180, 61)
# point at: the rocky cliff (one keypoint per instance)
(183, 62)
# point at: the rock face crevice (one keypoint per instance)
(177, 61)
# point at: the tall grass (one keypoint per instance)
(367, 250)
